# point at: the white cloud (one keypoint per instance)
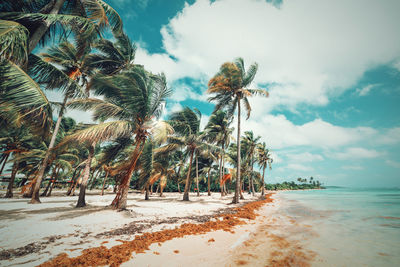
(175, 107)
(392, 163)
(182, 91)
(203, 121)
(278, 132)
(305, 157)
(303, 48)
(365, 90)
(352, 167)
(396, 64)
(275, 157)
(391, 136)
(299, 167)
(354, 153)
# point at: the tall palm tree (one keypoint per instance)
(133, 101)
(186, 124)
(264, 159)
(218, 131)
(72, 89)
(230, 87)
(250, 143)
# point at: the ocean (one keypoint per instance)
(350, 227)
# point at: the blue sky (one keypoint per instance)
(332, 69)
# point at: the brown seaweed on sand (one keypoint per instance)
(118, 254)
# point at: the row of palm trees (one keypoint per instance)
(127, 101)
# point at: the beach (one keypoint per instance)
(295, 228)
(55, 226)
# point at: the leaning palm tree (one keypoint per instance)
(133, 102)
(186, 124)
(264, 159)
(218, 131)
(229, 87)
(250, 143)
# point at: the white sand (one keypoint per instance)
(226, 250)
(23, 223)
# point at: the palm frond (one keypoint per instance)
(104, 14)
(256, 92)
(249, 75)
(18, 88)
(101, 132)
(47, 74)
(13, 42)
(247, 107)
(161, 130)
(84, 25)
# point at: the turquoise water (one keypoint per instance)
(352, 227)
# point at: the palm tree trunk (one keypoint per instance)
(72, 182)
(251, 176)
(104, 183)
(161, 190)
(237, 190)
(263, 183)
(9, 193)
(242, 187)
(120, 199)
(223, 168)
(95, 178)
(86, 173)
(76, 183)
(187, 184)
(208, 182)
(53, 183)
(42, 29)
(49, 183)
(36, 187)
(197, 176)
(5, 158)
(220, 177)
(146, 196)
(179, 176)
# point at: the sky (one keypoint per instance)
(332, 69)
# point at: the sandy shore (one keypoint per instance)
(272, 239)
(33, 234)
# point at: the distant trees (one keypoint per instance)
(302, 185)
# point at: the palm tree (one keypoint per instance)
(86, 173)
(264, 159)
(14, 142)
(229, 87)
(133, 100)
(23, 25)
(47, 19)
(250, 143)
(218, 131)
(186, 124)
(114, 57)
